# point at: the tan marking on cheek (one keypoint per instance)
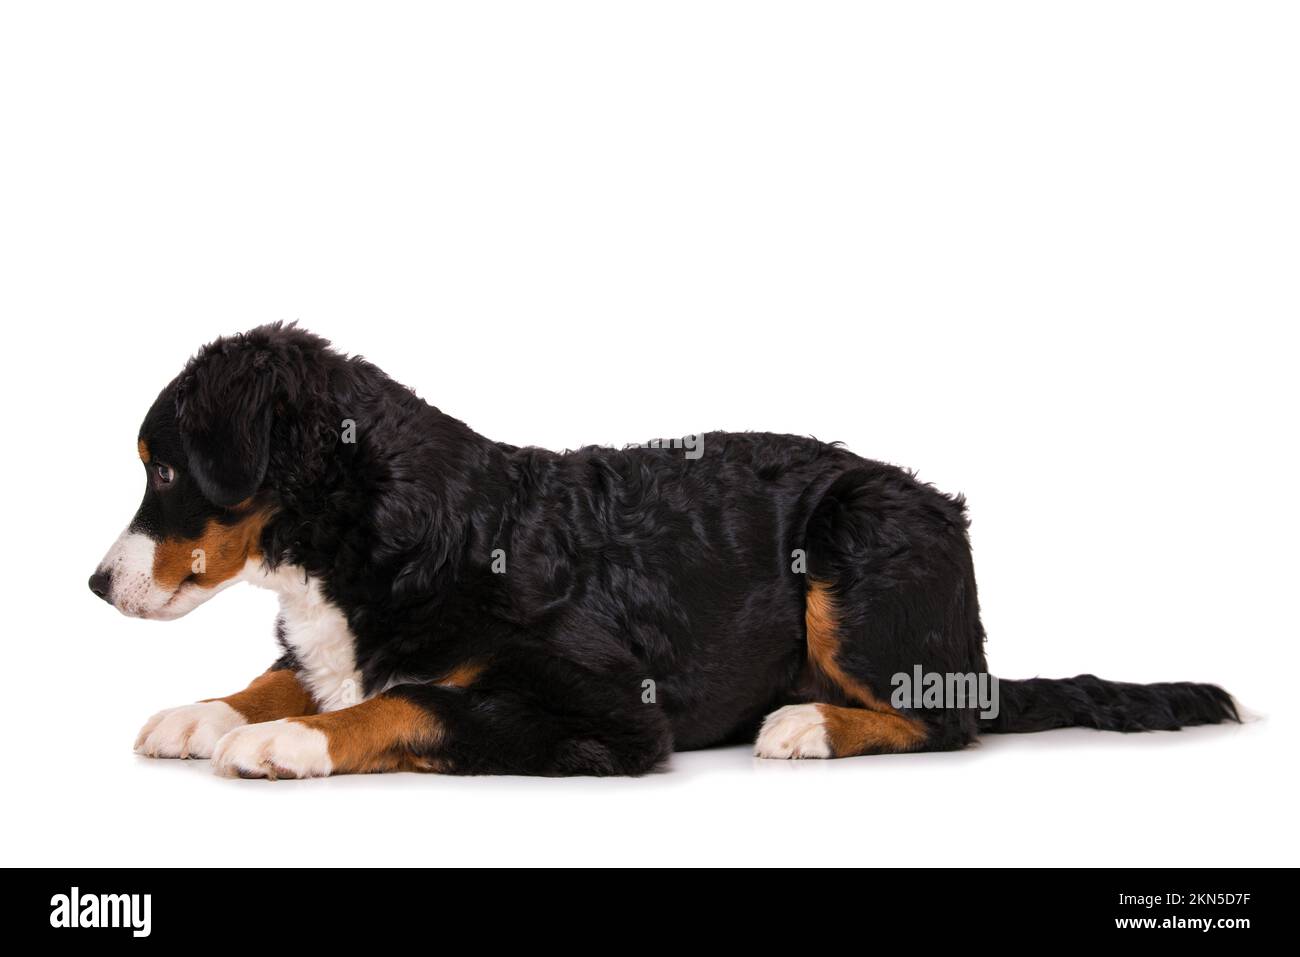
(853, 731)
(270, 696)
(142, 447)
(381, 734)
(224, 550)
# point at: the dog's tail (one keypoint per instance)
(1040, 704)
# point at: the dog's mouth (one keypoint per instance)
(189, 594)
(176, 604)
(170, 603)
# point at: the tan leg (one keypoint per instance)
(833, 731)
(386, 733)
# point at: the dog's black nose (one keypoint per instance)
(100, 583)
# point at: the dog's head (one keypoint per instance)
(215, 446)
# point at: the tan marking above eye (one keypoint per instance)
(225, 549)
(142, 447)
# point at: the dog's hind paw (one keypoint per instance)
(795, 731)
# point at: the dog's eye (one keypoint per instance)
(164, 473)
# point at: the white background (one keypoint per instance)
(1044, 253)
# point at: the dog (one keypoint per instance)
(457, 605)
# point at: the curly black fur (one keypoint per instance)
(622, 567)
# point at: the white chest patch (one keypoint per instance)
(318, 635)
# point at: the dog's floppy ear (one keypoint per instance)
(224, 404)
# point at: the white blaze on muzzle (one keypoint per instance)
(134, 591)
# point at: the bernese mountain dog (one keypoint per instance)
(458, 605)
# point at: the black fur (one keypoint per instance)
(1041, 704)
(621, 567)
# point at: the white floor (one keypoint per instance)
(80, 684)
(1208, 796)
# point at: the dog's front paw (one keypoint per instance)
(273, 749)
(190, 731)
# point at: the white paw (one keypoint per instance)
(190, 731)
(795, 731)
(273, 749)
